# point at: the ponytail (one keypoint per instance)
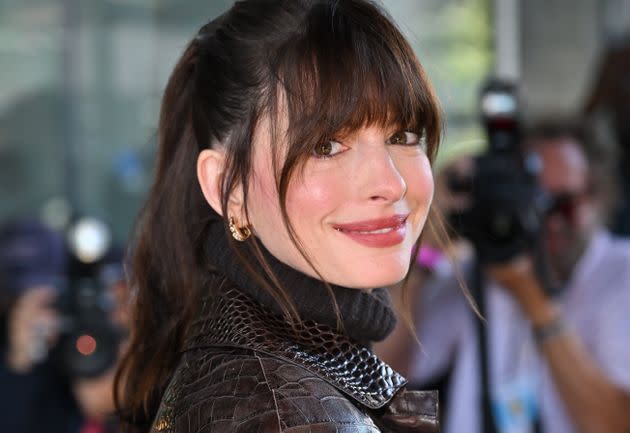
(165, 275)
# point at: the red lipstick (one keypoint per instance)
(378, 233)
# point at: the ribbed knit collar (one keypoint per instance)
(365, 316)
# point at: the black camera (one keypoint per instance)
(505, 217)
(89, 340)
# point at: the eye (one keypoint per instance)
(404, 138)
(328, 149)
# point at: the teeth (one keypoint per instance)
(376, 232)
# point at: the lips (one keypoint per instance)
(379, 233)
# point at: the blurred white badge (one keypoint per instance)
(514, 405)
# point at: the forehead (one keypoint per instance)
(565, 168)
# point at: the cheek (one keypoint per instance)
(262, 202)
(313, 195)
(587, 216)
(419, 179)
(420, 188)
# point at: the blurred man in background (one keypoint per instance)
(557, 360)
(580, 333)
(36, 394)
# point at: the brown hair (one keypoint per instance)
(332, 65)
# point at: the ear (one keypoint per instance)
(210, 167)
(210, 164)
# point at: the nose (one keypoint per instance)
(381, 181)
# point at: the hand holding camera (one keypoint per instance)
(64, 302)
(33, 328)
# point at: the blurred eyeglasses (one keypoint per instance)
(566, 205)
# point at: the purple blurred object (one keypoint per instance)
(31, 254)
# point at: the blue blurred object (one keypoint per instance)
(130, 171)
(31, 254)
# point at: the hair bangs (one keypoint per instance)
(348, 70)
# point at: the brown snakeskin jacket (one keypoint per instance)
(246, 370)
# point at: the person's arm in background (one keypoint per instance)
(27, 384)
(32, 326)
(95, 395)
(595, 403)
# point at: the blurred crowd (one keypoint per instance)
(63, 326)
(535, 341)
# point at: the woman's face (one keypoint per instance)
(358, 207)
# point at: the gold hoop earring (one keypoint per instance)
(239, 233)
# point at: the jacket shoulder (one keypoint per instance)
(243, 390)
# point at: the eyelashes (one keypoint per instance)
(334, 147)
(328, 149)
(405, 138)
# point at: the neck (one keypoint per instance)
(364, 315)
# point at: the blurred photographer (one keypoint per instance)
(45, 381)
(553, 355)
(569, 333)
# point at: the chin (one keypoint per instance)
(377, 278)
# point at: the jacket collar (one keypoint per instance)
(231, 318)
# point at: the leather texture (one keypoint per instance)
(245, 370)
